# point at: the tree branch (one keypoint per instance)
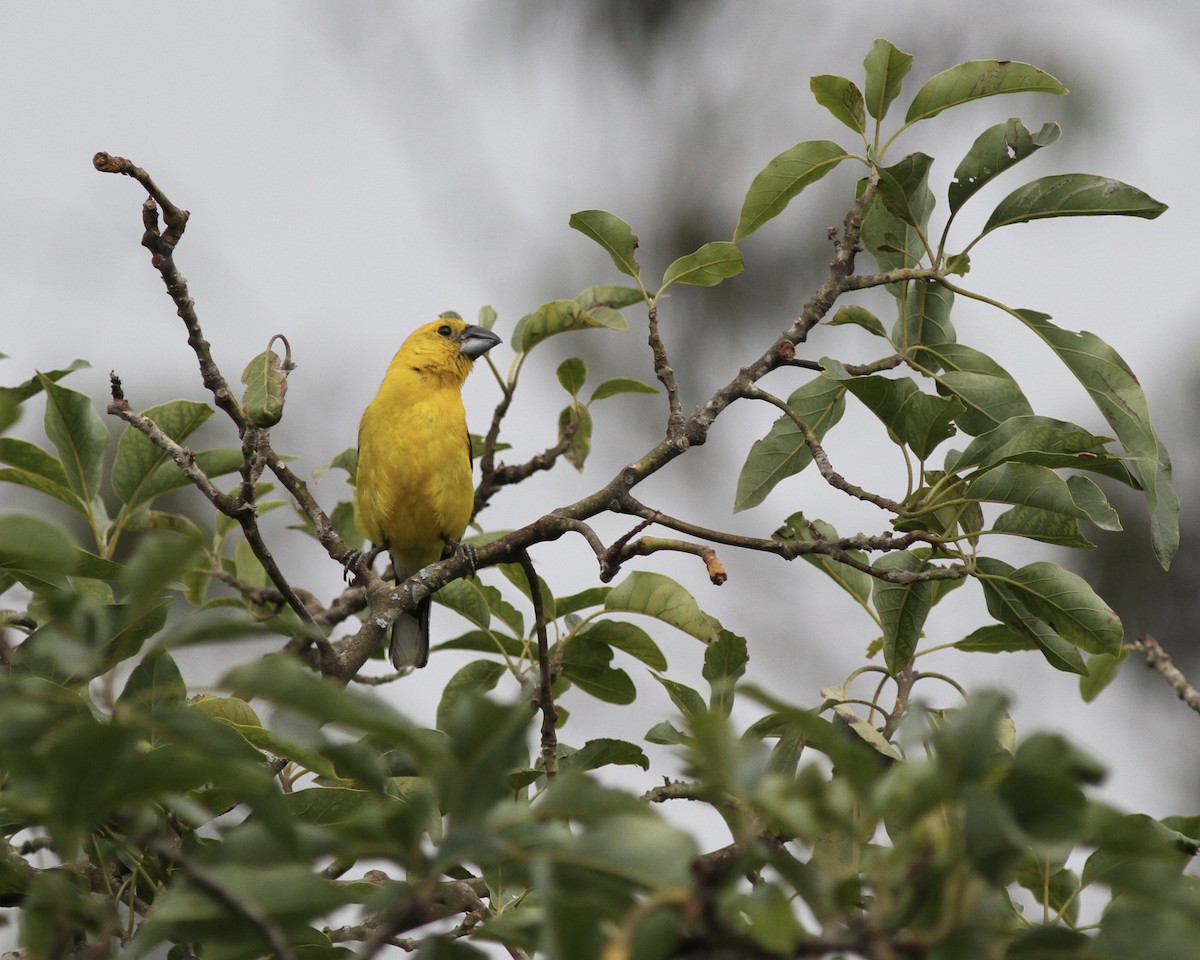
(832, 477)
(665, 373)
(544, 700)
(162, 247)
(1158, 659)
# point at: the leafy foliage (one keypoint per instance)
(138, 814)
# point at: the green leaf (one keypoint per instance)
(855, 582)
(860, 316)
(987, 391)
(782, 179)
(689, 703)
(783, 452)
(715, 261)
(724, 664)
(993, 152)
(1060, 654)
(886, 68)
(34, 385)
(230, 709)
(629, 638)
(1092, 501)
(31, 466)
(561, 316)
(1067, 603)
(1045, 526)
(572, 374)
(902, 608)
(1118, 395)
(509, 615)
(1042, 440)
(467, 599)
(154, 682)
(286, 682)
(894, 244)
(585, 599)
(611, 295)
(1072, 195)
(1101, 671)
(655, 595)
(1028, 485)
(487, 317)
(281, 890)
(585, 663)
(81, 438)
(904, 189)
(841, 98)
(925, 320)
(31, 545)
(142, 471)
(265, 378)
(475, 678)
(995, 638)
(333, 806)
(618, 385)
(10, 411)
(1049, 604)
(918, 420)
(771, 920)
(603, 752)
(137, 623)
(976, 79)
(576, 421)
(612, 233)
(515, 575)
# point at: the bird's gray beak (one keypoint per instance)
(474, 342)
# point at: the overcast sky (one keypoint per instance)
(353, 169)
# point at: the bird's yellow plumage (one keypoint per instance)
(414, 489)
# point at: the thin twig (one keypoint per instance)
(162, 247)
(820, 458)
(545, 695)
(1158, 659)
(665, 373)
(645, 546)
(790, 549)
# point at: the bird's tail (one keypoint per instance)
(409, 646)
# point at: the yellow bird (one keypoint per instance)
(414, 492)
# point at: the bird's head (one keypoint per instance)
(445, 347)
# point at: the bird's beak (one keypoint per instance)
(474, 342)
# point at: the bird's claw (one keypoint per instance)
(468, 551)
(350, 560)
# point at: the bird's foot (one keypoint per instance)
(350, 560)
(467, 551)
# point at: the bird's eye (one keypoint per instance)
(444, 330)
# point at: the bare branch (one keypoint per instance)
(665, 373)
(162, 249)
(1158, 659)
(648, 545)
(545, 695)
